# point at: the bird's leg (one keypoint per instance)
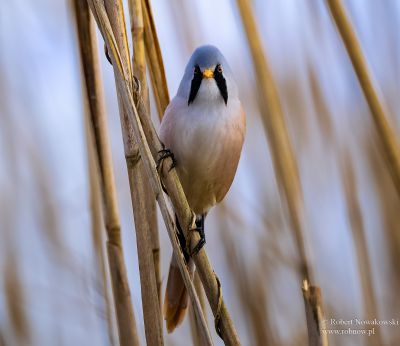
(163, 154)
(200, 229)
(182, 240)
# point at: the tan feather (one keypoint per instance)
(176, 297)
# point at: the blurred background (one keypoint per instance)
(51, 285)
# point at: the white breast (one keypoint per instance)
(201, 136)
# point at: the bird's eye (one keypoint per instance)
(219, 68)
(196, 70)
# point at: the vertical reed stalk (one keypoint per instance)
(139, 70)
(389, 206)
(154, 57)
(315, 315)
(94, 95)
(142, 199)
(194, 323)
(274, 124)
(193, 328)
(97, 224)
(200, 291)
(149, 147)
(386, 134)
(360, 245)
(284, 162)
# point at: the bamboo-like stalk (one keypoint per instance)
(315, 315)
(97, 224)
(386, 134)
(360, 245)
(154, 57)
(142, 199)
(200, 291)
(194, 324)
(388, 206)
(193, 328)
(274, 124)
(175, 192)
(284, 162)
(139, 70)
(322, 111)
(122, 298)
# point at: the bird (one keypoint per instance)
(203, 128)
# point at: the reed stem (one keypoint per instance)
(139, 70)
(94, 96)
(274, 123)
(143, 203)
(315, 315)
(284, 162)
(154, 57)
(386, 134)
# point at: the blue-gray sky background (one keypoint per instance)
(45, 219)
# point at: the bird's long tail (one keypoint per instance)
(176, 299)
(176, 296)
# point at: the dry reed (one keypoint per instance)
(389, 205)
(97, 224)
(195, 325)
(284, 161)
(274, 123)
(139, 70)
(94, 96)
(360, 243)
(142, 200)
(386, 134)
(316, 324)
(154, 57)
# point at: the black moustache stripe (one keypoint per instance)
(195, 86)
(221, 83)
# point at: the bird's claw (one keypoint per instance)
(163, 154)
(201, 242)
(200, 229)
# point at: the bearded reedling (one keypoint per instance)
(203, 128)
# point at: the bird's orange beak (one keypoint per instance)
(208, 73)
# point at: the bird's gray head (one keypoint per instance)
(207, 77)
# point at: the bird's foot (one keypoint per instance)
(200, 229)
(163, 154)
